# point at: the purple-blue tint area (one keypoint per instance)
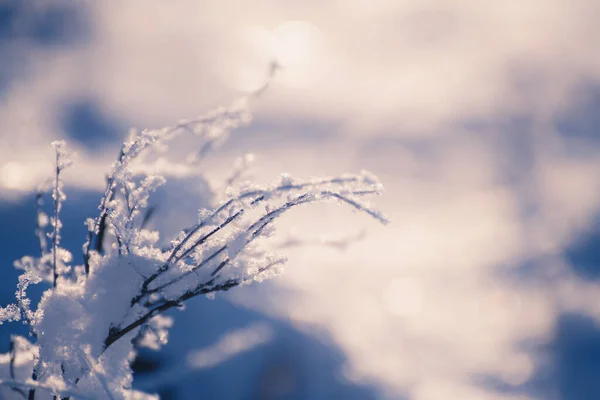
(58, 23)
(576, 354)
(581, 122)
(17, 239)
(583, 254)
(25, 26)
(580, 125)
(84, 122)
(310, 367)
(567, 367)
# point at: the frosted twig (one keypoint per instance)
(58, 196)
(205, 288)
(122, 292)
(11, 367)
(255, 230)
(258, 196)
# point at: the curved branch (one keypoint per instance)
(260, 196)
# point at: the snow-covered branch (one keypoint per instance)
(92, 317)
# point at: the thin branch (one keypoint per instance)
(12, 352)
(204, 238)
(184, 275)
(239, 169)
(34, 377)
(131, 150)
(360, 207)
(57, 195)
(173, 256)
(23, 303)
(55, 235)
(11, 367)
(141, 142)
(256, 229)
(116, 335)
(101, 219)
(259, 195)
(201, 289)
(149, 213)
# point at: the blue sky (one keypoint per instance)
(480, 120)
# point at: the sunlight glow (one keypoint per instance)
(296, 49)
(11, 175)
(293, 45)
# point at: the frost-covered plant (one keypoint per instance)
(85, 330)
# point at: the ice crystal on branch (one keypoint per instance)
(91, 319)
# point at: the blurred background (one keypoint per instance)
(480, 118)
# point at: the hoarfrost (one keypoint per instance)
(86, 328)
